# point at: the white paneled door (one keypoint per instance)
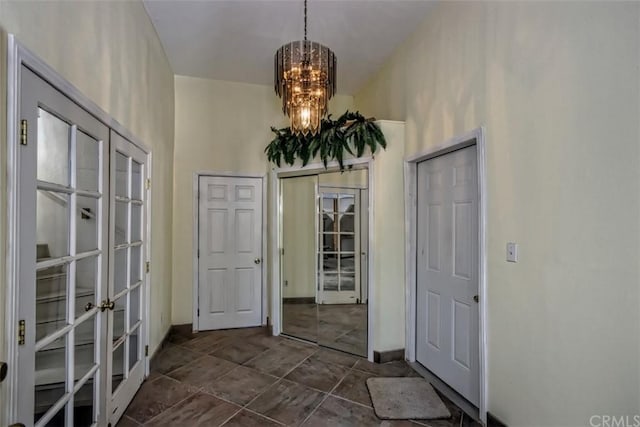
(447, 268)
(229, 252)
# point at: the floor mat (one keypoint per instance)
(405, 399)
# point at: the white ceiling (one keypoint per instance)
(236, 39)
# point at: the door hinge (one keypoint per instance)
(282, 251)
(22, 326)
(198, 312)
(148, 266)
(146, 350)
(147, 184)
(23, 132)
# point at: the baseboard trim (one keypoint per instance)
(493, 421)
(303, 300)
(163, 344)
(388, 356)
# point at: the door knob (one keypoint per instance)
(475, 298)
(108, 304)
(88, 306)
(257, 261)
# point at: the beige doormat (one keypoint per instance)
(405, 399)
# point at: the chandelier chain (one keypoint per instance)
(305, 20)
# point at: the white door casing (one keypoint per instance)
(229, 252)
(447, 339)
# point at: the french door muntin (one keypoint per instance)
(125, 345)
(338, 245)
(62, 258)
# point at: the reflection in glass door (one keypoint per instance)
(126, 333)
(339, 246)
(62, 258)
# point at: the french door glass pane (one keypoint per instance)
(136, 222)
(122, 230)
(347, 203)
(122, 175)
(134, 348)
(86, 283)
(58, 419)
(84, 357)
(51, 300)
(330, 282)
(134, 306)
(120, 270)
(117, 374)
(136, 265)
(51, 373)
(119, 317)
(136, 180)
(87, 224)
(53, 149)
(52, 224)
(87, 162)
(347, 282)
(84, 408)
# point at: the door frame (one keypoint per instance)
(17, 56)
(276, 242)
(475, 137)
(196, 235)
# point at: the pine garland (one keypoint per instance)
(351, 133)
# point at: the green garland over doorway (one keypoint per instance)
(351, 133)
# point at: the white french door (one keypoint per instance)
(63, 206)
(339, 246)
(127, 270)
(81, 329)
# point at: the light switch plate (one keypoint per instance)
(512, 252)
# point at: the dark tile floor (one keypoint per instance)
(338, 326)
(244, 377)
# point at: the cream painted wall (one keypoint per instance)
(556, 85)
(220, 127)
(110, 51)
(388, 240)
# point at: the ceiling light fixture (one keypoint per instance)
(305, 79)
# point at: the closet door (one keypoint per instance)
(127, 267)
(62, 253)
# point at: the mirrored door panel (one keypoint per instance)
(63, 193)
(324, 225)
(299, 313)
(342, 312)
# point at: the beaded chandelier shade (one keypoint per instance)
(305, 79)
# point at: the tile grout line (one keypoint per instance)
(172, 406)
(326, 396)
(280, 379)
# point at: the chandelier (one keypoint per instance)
(305, 79)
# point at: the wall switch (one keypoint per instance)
(512, 252)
